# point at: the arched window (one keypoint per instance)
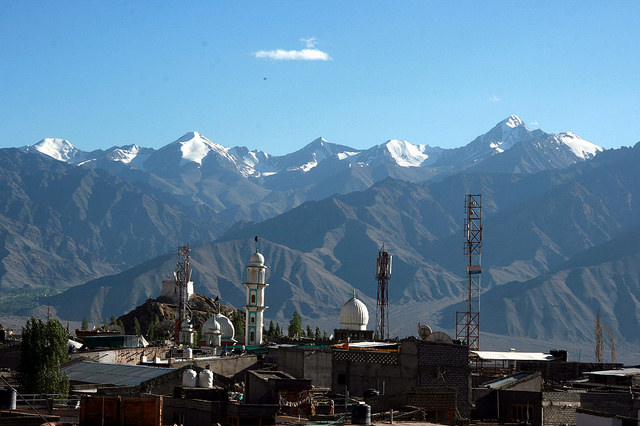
(253, 299)
(252, 319)
(252, 337)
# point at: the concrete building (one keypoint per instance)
(256, 276)
(307, 362)
(404, 366)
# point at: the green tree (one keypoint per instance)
(151, 331)
(238, 324)
(318, 335)
(85, 323)
(43, 350)
(136, 327)
(325, 336)
(309, 331)
(295, 325)
(278, 330)
(272, 329)
(114, 320)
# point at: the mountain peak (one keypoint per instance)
(60, 149)
(195, 147)
(512, 122)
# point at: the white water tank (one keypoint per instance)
(189, 378)
(188, 353)
(205, 379)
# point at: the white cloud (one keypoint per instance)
(309, 42)
(311, 53)
(534, 123)
(293, 55)
(494, 98)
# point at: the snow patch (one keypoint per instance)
(513, 121)
(60, 149)
(346, 154)
(406, 154)
(580, 147)
(125, 155)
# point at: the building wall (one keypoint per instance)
(129, 356)
(558, 372)
(388, 372)
(559, 408)
(445, 364)
(305, 363)
(618, 403)
(227, 366)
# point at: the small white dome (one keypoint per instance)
(211, 326)
(257, 259)
(226, 326)
(354, 315)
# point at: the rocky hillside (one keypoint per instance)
(201, 309)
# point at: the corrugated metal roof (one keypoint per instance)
(621, 372)
(497, 384)
(513, 356)
(116, 374)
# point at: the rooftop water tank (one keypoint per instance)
(205, 379)
(189, 378)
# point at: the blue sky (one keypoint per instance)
(104, 73)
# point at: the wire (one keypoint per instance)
(23, 398)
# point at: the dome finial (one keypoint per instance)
(256, 238)
(354, 293)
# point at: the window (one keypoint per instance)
(252, 319)
(252, 336)
(342, 379)
(253, 299)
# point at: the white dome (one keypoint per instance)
(211, 326)
(257, 259)
(354, 315)
(226, 326)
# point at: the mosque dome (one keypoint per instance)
(354, 315)
(257, 259)
(211, 326)
(226, 327)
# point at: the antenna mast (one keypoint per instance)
(468, 323)
(183, 276)
(383, 273)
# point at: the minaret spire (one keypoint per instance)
(256, 274)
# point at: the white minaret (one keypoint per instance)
(256, 273)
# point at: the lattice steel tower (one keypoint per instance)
(383, 273)
(468, 323)
(183, 277)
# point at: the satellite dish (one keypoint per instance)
(440, 337)
(424, 331)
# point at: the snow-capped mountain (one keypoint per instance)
(244, 184)
(60, 149)
(401, 153)
(195, 150)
